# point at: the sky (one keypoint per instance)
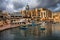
(17, 5)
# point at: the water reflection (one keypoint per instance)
(50, 32)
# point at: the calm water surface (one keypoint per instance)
(33, 33)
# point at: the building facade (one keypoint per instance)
(15, 18)
(37, 13)
(4, 18)
(56, 17)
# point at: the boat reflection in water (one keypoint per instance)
(48, 31)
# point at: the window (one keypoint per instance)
(1, 16)
(38, 13)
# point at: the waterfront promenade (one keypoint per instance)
(8, 26)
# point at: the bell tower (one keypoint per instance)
(27, 11)
(27, 7)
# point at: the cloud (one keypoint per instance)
(47, 3)
(57, 8)
(2, 5)
(16, 5)
(23, 3)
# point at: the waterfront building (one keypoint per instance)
(15, 17)
(1, 18)
(56, 17)
(37, 13)
(1, 15)
(45, 14)
(26, 13)
(4, 17)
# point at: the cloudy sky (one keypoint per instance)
(16, 5)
